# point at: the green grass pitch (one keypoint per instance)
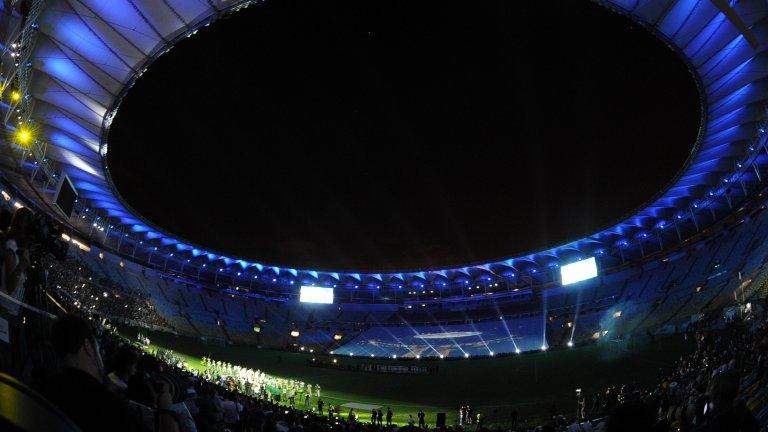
(527, 383)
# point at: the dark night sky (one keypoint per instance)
(400, 134)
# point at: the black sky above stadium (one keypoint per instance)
(383, 135)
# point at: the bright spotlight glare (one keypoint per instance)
(466, 355)
(543, 347)
(570, 343)
(24, 135)
(517, 350)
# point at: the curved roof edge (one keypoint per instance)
(86, 62)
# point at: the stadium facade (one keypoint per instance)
(68, 64)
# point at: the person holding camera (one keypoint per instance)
(12, 276)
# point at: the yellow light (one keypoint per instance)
(15, 96)
(24, 135)
(82, 246)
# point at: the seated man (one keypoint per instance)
(79, 389)
(124, 364)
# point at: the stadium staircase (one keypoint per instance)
(162, 293)
(192, 325)
(224, 332)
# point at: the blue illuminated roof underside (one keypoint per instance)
(89, 53)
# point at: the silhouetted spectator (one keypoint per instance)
(79, 390)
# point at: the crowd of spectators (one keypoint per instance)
(703, 392)
(132, 390)
(84, 289)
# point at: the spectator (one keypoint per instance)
(722, 414)
(79, 389)
(231, 410)
(16, 259)
(12, 277)
(183, 415)
(630, 417)
(210, 414)
(124, 367)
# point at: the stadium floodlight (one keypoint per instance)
(578, 271)
(24, 136)
(466, 355)
(294, 333)
(517, 350)
(310, 294)
(338, 336)
(570, 343)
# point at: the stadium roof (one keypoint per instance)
(88, 53)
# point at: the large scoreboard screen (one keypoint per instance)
(578, 271)
(311, 294)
